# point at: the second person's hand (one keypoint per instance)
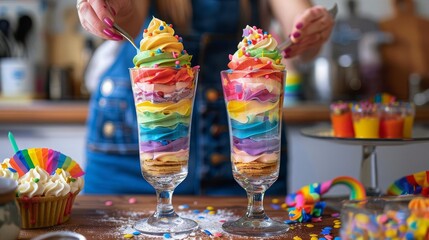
(311, 29)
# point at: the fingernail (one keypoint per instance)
(111, 34)
(117, 38)
(299, 25)
(108, 22)
(296, 35)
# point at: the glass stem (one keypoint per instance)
(164, 206)
(255, 207)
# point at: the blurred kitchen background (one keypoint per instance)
(377, 46)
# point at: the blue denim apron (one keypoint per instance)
(112, 147)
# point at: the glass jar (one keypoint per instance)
(10, 221)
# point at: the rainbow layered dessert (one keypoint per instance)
(253, 91)
(164, 86)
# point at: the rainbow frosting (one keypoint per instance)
(253, 91)
(163, 86)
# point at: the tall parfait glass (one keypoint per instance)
(254, 100)
(164, 98)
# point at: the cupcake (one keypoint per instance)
(48, 184)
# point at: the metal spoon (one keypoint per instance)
(282, 46)
(125, 35)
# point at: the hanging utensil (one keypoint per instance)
(25, 25)
(6, 47)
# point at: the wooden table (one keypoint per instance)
(95, 219)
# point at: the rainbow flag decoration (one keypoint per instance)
(45, 158)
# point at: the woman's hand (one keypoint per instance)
(311, 29)
(98, 16)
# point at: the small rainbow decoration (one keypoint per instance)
(417, 183)
(312, 193)
(46, 158)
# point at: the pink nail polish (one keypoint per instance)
(108, 32)
(299, 25)
(117, 38)
(296, 35)
(112, 35)
(108, 22)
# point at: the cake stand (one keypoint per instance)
(368, 169)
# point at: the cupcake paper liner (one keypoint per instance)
(39, 212)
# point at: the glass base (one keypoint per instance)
(255, 227)
(160, 226)
(373, 192)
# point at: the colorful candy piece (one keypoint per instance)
(417, 183)
(311, 193)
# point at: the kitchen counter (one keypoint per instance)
(38, 111)
(75, 112)
(95, 219)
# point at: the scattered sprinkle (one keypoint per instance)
(184, 206)
(210, 208)
(275, 206)
(128, 235)
(108, 203)
(136, 233)
(132, 200)
(207, 232)
(335, 214)
(275, 200)
(167, 235)
(309, 225)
